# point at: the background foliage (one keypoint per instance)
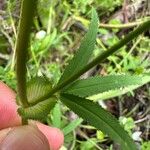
(56, 34)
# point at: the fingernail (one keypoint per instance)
(25, 138)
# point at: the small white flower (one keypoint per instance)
(136, 136)
(40, 35)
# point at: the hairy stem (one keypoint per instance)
(144, 27)
(23, 37)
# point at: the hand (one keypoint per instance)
(35, 136)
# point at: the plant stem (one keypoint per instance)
(113, 26)
(23, 37)
(120, 26)
(145, 26)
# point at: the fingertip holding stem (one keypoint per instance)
(10, 118)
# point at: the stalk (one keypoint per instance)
(21, 48)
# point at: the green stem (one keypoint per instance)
(113, 26)
(23, 37)
(120, 26)
(145, 26)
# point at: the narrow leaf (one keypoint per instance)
(71, 126)
(99, 118)
(82, 56)
(120, 91)
(56, 116)
(96, 85)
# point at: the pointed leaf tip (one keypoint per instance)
(85, 51)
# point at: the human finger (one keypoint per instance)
(9, 117)
(25, 138)
(8, 107)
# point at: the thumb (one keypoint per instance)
(25, 138)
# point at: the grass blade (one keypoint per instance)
(56, 116)
(70, 127)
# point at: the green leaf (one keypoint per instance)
(36, 88)
(38, 111)
(96, 85)
(117, 92)
(56, 116)
(71, 126)
(99, 118)
(82, 56)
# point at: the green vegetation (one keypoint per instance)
(45, 43)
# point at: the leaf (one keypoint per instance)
(56, 116)
(70, 127)
(99, 118)
(44, 13)
(96, 85)
(36, 88)
(38, 111)
(117, 92)
(82, 56)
